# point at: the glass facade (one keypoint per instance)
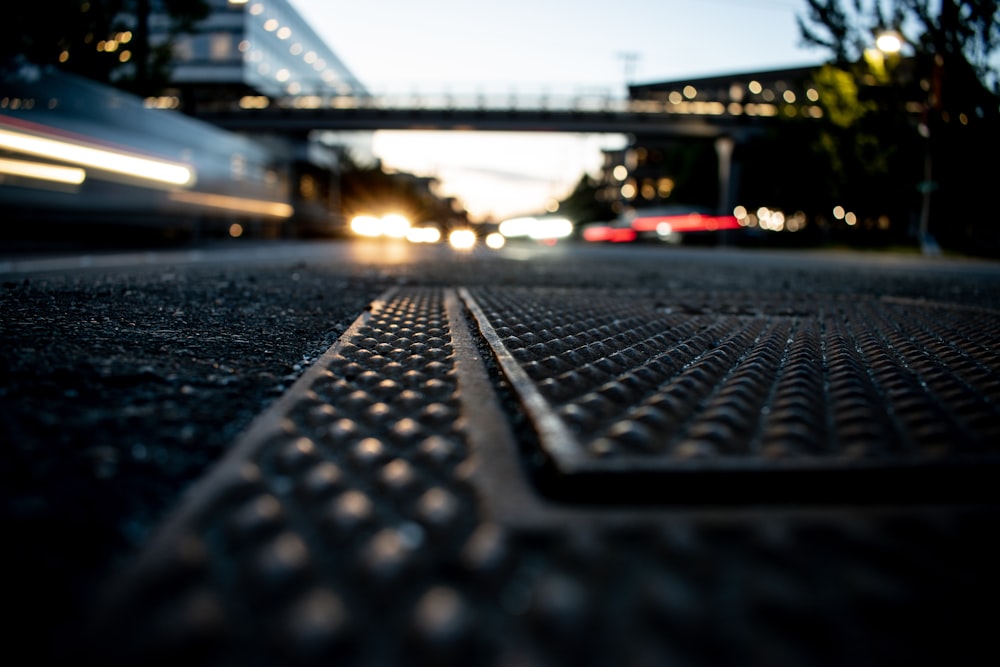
(266, 46)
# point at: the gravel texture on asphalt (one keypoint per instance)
(118, 389)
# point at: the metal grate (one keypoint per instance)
(664, 394)
(371, 518)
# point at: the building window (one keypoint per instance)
(220, 46)
(184, 49)
(307, 186)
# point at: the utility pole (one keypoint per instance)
(630, 58)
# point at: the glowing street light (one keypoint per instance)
(889, 41)
(462, 239)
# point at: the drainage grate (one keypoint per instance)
(352, 482)
(694, 398)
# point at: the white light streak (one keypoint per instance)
(98, 158)
(42, 171)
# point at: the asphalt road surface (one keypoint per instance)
(374, 453)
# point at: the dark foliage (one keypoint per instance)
(74, 34)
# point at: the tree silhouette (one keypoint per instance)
(901, 127)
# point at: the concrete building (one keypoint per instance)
(657, 168)
(655, 172)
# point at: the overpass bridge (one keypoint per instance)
(727, 123)
(580, 113)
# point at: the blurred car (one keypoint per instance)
(682, 224)
(675, 225)
(607, 232)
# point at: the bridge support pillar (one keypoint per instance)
(724, 151)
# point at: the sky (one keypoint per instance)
(531, 46)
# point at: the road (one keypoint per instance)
(288, 453)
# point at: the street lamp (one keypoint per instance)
(891, 42)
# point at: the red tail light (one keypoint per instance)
(691, 222)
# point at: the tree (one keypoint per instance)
(367, 189)
(903, 126)
(961, 38)
(104, 40)
(582, 205)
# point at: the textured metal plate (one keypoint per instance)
(379, 513)
(680, 396)
(352, 483)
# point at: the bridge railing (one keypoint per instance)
(494, 99)
(595, 101)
